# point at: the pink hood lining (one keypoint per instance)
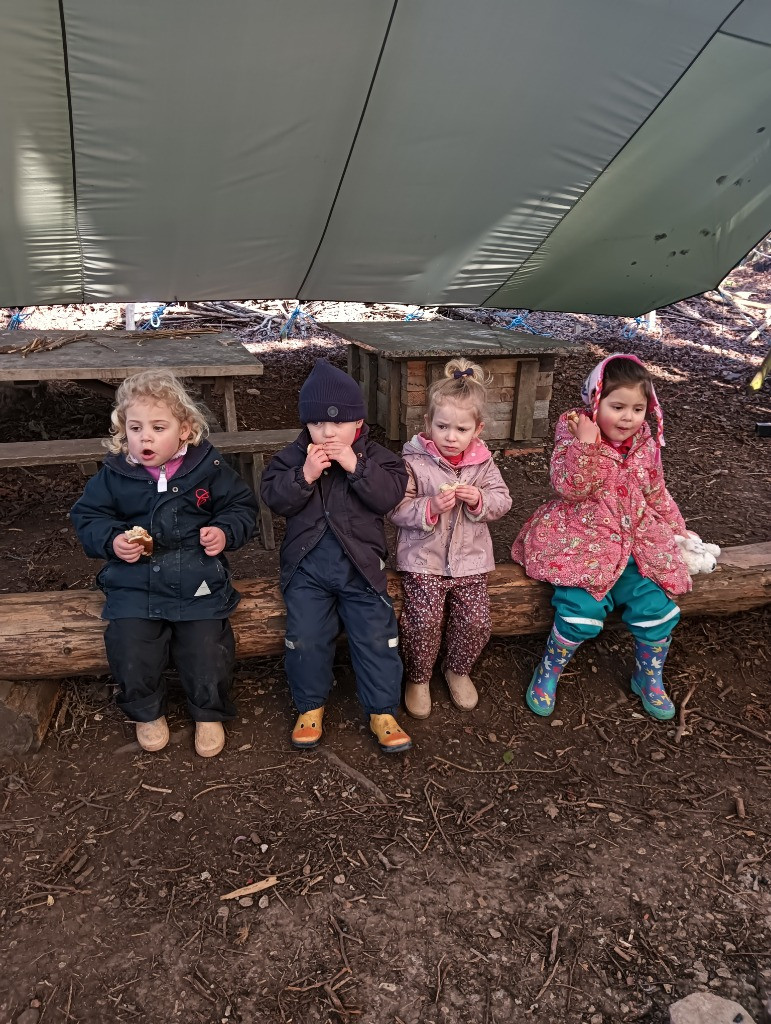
(591, 393)
(476, 453)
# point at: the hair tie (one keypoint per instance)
(457, 374)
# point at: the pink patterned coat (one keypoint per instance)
(608, 509)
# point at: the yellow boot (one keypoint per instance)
(390, 736)
(307, 730)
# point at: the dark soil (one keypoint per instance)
(593, 867)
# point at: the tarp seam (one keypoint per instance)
(72, 150)
(616, 155)
(745, 39)
(350, 151)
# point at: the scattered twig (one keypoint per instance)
(553, 947)
(248, 890)
(354, 774)
(729, 723)
(548, 980)
(680, 732)
(440, 978)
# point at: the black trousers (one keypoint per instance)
(203, 652)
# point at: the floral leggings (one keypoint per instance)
(467, 627)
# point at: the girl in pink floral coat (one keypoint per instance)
(608, 540)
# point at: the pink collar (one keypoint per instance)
(169, 469)
(476, 452)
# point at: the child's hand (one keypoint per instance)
(213, 539)
(583, 429)
(442, 502)
(468, 493)
(127, 550)
(342, 454)
(315, 463)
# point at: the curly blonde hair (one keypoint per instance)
(157, 386)
(464, 382)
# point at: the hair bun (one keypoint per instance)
(458, 368)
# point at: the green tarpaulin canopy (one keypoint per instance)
(586, 155)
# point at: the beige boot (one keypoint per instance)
(152, 736)
(417, 699)
(463, 693)
(209, 738)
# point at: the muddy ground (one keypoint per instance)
(593, 867)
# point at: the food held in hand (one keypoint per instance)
(139, 535)
(573, 416)
(450, 487)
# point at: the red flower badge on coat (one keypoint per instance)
(201, 497)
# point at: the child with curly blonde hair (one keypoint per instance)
(444, 549)
(161, 512)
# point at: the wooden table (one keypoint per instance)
(94, 357)
(395, 362)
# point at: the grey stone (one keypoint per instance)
(707, 1008)
(30, 1016)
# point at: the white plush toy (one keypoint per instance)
(698, 556)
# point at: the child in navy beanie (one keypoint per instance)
(334, 485)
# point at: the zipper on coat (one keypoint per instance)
(340, 540)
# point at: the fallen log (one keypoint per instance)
(51, 635)
(26, 710)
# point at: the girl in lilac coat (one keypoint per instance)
(444, 550)
(608, 540)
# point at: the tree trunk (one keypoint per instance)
(51, 635)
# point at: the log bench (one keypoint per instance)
(47, 636)
(250, 445)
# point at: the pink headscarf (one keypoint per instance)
(591, 393)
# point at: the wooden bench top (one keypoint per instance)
(91, 449)
(113, 355)
(443, 339)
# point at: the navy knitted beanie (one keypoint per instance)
(329, 395)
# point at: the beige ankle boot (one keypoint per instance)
(463, 693)
(152, 736)
(209, 738)
(417, 699)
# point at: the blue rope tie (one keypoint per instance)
(17, 320)
(520, 320)
(294, 316)
(155, 318)
(415, 314)
(631, 329)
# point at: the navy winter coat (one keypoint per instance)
(352, 505)
(179, 581)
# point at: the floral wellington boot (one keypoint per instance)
(647, 682)
(542, 691)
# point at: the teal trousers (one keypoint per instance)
(646, 610)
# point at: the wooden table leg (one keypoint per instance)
(231, 421)
(265, 519)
